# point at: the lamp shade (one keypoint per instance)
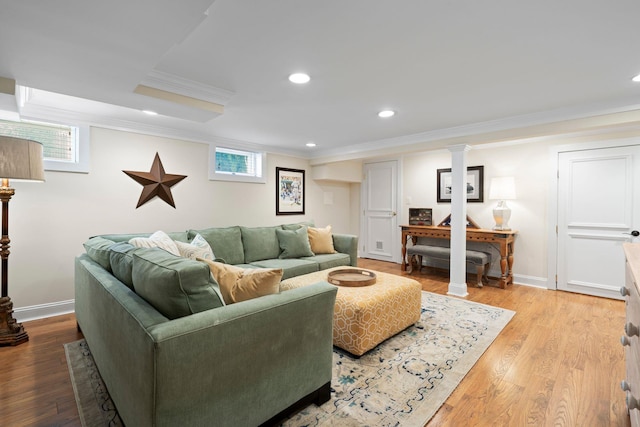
(502, 188)
(21, 159)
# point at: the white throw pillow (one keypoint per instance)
(159, 239)
(198, 248)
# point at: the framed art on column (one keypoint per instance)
(290, 188)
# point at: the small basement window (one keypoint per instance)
(62, 149)
(230, 164)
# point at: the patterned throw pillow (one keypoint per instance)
(321, 240)
(240, 284)
(159, 239)
(198, 248)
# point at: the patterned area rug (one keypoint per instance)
(94, 404)
(403, 381)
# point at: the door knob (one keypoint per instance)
(634, 233)
(630, 329)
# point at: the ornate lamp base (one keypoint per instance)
(501, 215)
(11, 332)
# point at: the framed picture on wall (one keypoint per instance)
(475, 185)
(290, 188)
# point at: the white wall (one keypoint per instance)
(529, 165)
(49, 221)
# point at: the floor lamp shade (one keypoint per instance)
(20, 159)
(502, 189)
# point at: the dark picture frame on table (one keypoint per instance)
(475, 185)
(290, 191)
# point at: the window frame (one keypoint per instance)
(81, 162)
(261, 156)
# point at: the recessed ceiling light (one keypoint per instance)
(310, 144)
(386, 113)
(636, 78)
(299, 78)
(150, 113)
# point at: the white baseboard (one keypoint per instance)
(24, 314)
(533, 281)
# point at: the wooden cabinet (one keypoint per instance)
(631, 337)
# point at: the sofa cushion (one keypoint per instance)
(98, 249)
(239, 284)
(175, 286)
(197, 248)
(259, 243)
(291, 267)
(226, 243)
(159, 239)
(294, 243)
(321, 240)
(326, 261)
(121, 258)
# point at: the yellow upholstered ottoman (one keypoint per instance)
(365, 316)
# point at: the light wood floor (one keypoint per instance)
(557, 363)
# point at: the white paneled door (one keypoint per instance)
(598, 210)
(380, 219)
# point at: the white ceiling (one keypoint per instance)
(449, 69)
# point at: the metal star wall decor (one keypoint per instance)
(156, 183)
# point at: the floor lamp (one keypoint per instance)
(19, 159)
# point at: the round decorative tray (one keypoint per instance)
(351, 277)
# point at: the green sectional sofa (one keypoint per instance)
(259, 247)
(171, 352)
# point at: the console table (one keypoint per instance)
(503, 239)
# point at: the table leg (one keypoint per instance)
(404, 252)
(510, 263)
(503, 268)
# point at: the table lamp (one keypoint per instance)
(502, 189)
(20, 159)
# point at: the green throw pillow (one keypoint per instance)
(297, 225)
(294, 243)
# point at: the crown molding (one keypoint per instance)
(185, 87)
(45, 113)
(545, 123)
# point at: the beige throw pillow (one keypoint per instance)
(240, 284)
(321, 240)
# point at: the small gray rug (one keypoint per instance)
(403, 381)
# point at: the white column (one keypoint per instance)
(458, 264)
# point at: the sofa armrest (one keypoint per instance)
(347, 244)
(264, 354)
